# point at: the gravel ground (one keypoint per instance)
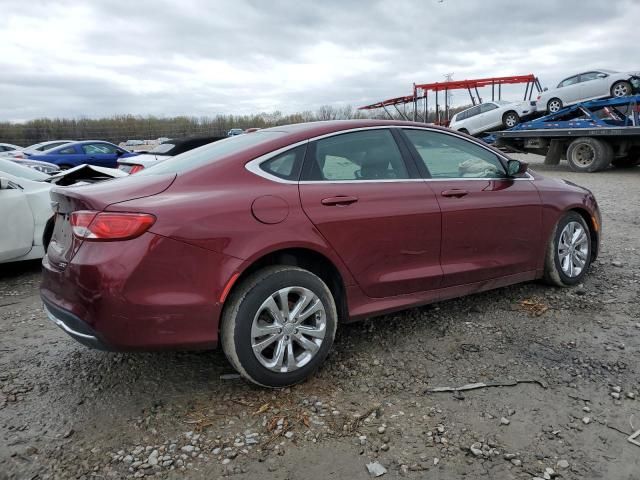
(70, 412)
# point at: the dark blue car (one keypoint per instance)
(93, 152)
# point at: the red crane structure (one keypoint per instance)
(421, 92)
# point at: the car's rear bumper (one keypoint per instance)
(149, 293)
(74, 326)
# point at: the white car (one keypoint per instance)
(25, 210)
(37, 148)
(25, 206)
(490, 116)
(588, 86)
(8, 147)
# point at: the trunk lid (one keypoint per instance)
(98, 196)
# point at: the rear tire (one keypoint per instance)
(569, 251)
(265, 344)
(586, 154)
(621, 89)
(554, 105)
(510, 120)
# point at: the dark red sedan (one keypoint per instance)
(266, 242)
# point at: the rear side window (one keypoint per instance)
(287, 165)
(568, 81)
(449, 156)
(67, 151)
(364, 155)
(210, 153)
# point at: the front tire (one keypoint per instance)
(569, 252)
(554, 105)
(621, 89)
(278, 326)
(510, 120)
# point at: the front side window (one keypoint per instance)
(449, 156)
(487, 107)
(99, 148)
(364, 155)
(585, 77)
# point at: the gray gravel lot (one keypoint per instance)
(70, 412)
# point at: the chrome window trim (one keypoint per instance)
(253, 166)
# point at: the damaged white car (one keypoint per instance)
(25, 206)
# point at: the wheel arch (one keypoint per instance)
(303, 257)
(594, 230)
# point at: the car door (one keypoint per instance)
(593, 85)
(370, 205)
(472, 123)
(569, 90)
(66, 155)
(490, 116)
(16, 234)
(101, 154)
(490, 223)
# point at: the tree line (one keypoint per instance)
(120, 128)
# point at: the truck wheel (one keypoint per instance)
(569, 251)
(510, 119)
(588, 154)
(621, 89)
(278, 326)
(554, 105)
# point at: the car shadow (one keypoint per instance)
(16, 269)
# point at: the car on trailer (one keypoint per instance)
(590, 135)
(586, 86)
(491, 116)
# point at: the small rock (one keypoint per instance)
(631, 395)
(476, 449)
(586, 420)
(509, 456)
(362, 439)
(382, 429)
(615, 395)
(504, 421)
(229, 376)
(188, 448)
(226, 461)
(563, 464)
(616, 389)
(616, 263)
(516, 462)
(436, 461)
(289, 434)
(384, 447)
(376, 469)
(586, 409)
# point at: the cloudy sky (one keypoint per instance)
(199, 57)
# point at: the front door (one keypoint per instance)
(101, 154)
(490, 223)
(16, 236)
(372, 208)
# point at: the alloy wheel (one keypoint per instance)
(620, 90)
(511, 121)
(573, 248)
(288, 329)
(554, 106)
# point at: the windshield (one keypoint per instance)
(606, 70)
(162, 149)
(210, 153)
(502, 102)
(12, 168)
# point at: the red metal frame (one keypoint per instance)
(421, 91)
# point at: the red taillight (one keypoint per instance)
(135, 168)
(107, 226)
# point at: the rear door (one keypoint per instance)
(16, 234)
(490, 115)
(490, 223)
(370, 205)
(569, 90)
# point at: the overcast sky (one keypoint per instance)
(197, 57)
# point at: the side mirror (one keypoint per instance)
(516, 167)
(119, 153)
(545, 89)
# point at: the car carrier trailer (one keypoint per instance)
(589, 135)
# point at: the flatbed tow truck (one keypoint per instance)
(590, 135)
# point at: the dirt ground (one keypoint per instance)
(70, 412)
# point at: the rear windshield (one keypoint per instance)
(210, 153)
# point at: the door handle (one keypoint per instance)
(455, 192)
(340, 200)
